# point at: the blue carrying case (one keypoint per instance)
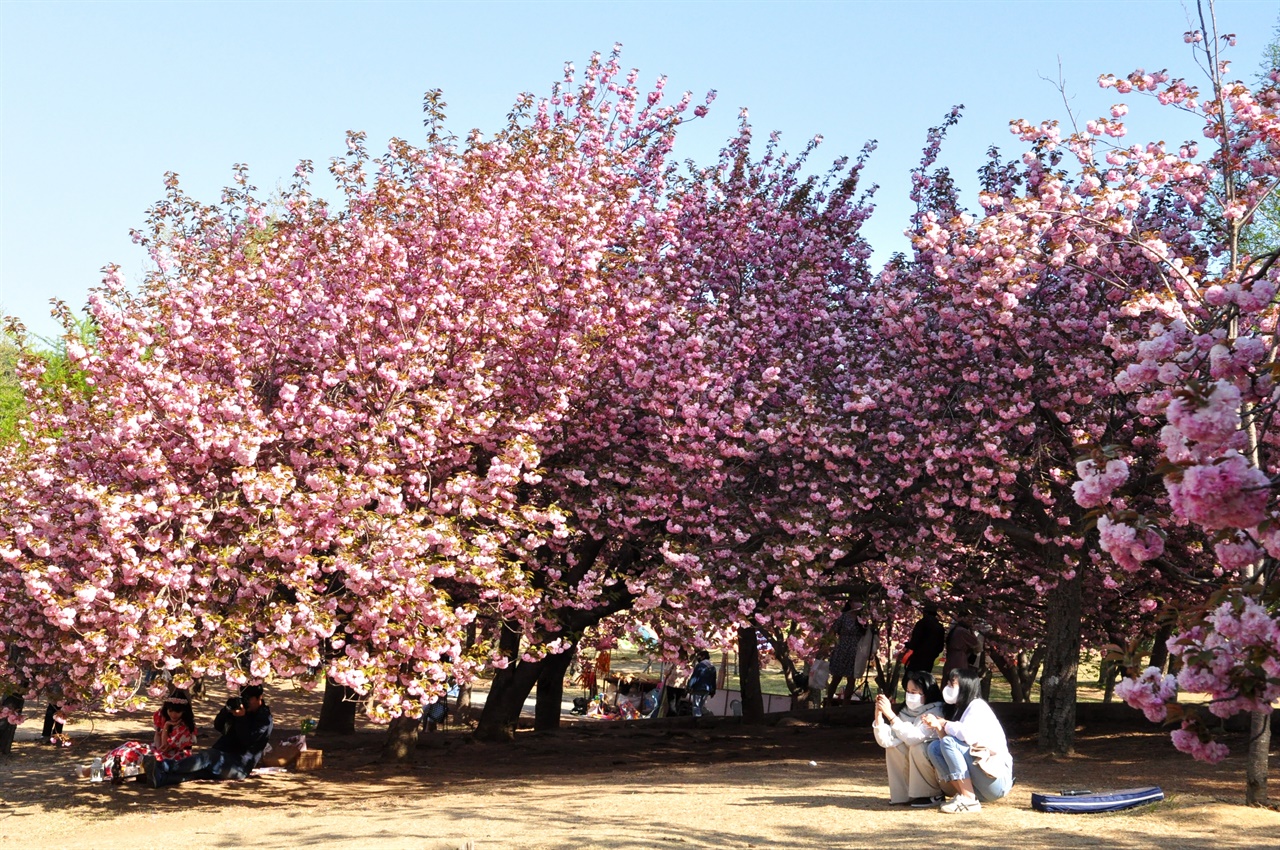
(1105, 801)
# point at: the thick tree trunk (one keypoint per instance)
(749, 677)
(511, 687)
(338, 711)
(1255, 769)
(1061, 661)
(547, 709)
(402, 739)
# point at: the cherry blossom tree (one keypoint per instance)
(303, 441)
(704, 466)
(1206, 365)
(994, 371)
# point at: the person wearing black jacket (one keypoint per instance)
(926, 642)
(245, 723)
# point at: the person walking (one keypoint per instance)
(963, 646)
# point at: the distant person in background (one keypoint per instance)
(963, 646)
(928, 638)
(848, 631)
(702, 682)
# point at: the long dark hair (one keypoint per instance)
(970, 689)
(923, 679)
(179, 700)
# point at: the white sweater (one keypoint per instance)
(908, 728)
(979, 728)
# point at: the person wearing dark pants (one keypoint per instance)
(245, 723)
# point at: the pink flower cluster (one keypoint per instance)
(1227, 493)
(1151, 691)
(1233, 655)
(1130, 546)
(1196, 742)
(1096, 485)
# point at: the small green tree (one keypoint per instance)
(1262, 234)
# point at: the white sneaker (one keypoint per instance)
(961, 805)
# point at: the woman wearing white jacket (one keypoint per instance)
(905, 737)
(971, 754)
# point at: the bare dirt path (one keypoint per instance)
(615, 786)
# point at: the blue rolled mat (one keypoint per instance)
(1103, 801)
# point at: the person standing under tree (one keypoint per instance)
(702, 682)
(927, 640)
(963, 646)
(848, 631)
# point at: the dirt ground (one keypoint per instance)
(612, 785)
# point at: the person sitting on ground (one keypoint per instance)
(905, 738)
(246, 725)
(702, 682)
(175, 736)
(971, 754)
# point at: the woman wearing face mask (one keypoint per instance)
(905, 738)
(971, 754)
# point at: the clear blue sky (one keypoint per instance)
(99, 99)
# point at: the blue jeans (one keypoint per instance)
(698, 701)
(206, 764)
(950, 757)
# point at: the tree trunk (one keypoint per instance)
(6, 737)
(511, 687)
(1010, 673)
(749, 677)
(402, 739)
(1111, 673)
(1255, 769)
(1061, 661)
(7, 729)
(338, 711)
(1159, 651)
(547, 709)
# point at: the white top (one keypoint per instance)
(979, 728)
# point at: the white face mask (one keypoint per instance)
(914, 700)
(950, 694)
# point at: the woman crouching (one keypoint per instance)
(971, 754)
(905, 738)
